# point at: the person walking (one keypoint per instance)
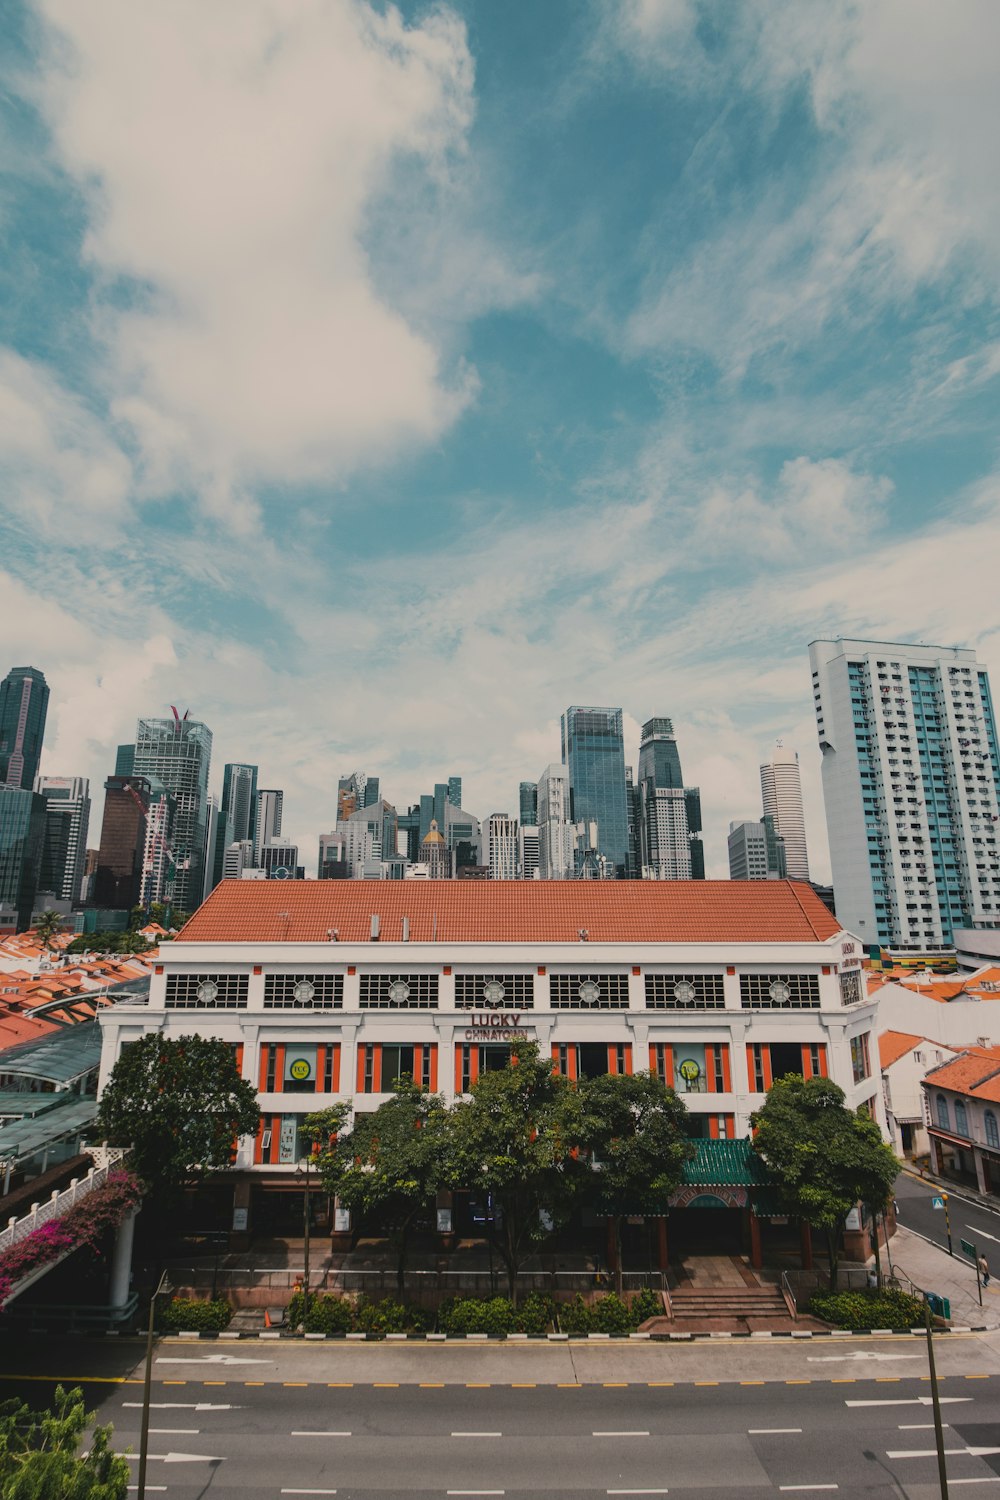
(984, 1270)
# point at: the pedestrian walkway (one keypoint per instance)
(953, 1276)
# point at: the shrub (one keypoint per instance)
(576, 1316)
(608, 1314)
(389, 1316)
(648, 1304)
(492, 1315)
(326, 1314)
(192, 1315)
(535, 1314)
(868, 1308)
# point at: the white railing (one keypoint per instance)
(105, 1157)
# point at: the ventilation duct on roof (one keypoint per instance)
(375, 927)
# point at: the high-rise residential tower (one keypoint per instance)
(669, 813)
(67, 819)
(24, 703)
(177, 752)
(556, 833)
(593, 751)
(911, 779)
(239, 799)
(781, 793)
(268, 819)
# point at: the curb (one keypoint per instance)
(675, 1336)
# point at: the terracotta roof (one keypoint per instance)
(511, 911)
(892, 1045)
(964, 1073)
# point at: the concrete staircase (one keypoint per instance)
(759, 1305)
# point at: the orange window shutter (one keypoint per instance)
(434, 1067)
(766, 1058)
(727, 1071)
(239, 1058)
(336, 1066)
(361, 1067)
(751, 1070)
(713, 1128)
(806, 1061)
(711, 1056)
(376, 1067)
(822, 1061)
(652, 1057)
(258, 1149)
(265, 1054)
(279, 1067)
(628, 1057)
(458, 1067)
(572, 1061)
(612, 1057)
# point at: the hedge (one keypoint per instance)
(868, 1308)
(609, 1314)
(191, 1315)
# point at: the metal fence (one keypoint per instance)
(382, 1282)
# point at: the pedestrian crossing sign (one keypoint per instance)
(937, 1203)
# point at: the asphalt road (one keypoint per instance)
(969, 1220)
(662, 1428)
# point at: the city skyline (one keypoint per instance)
(626, 366)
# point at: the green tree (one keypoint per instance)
(38, 1453)
(391, 1163)
(631, 1128)
(180, 1104)
(508, 1144)
(824, 1157)
(47, 927)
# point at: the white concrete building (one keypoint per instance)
(905, 1060)
(718, 988)
(528, 852)
(67, 820)
(502, 842)
(911, 775)
(781, 797)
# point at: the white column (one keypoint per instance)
(121, 1261)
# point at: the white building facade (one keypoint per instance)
(781, 798)
(605, 976)
(911, 777)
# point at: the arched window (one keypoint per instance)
(942, 1112)
(992, 1134)
(961, 1118)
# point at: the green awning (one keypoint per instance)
(725, 1164)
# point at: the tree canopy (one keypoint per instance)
(509, 1145)
(631, 1127)
(38, 1453)
(825, 1158)
(391, 1162)
(180, 1104)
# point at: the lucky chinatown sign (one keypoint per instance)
(495, 1026)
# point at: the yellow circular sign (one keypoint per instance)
(300, 1069)
(689, 1070)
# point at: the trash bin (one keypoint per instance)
(935, 1303)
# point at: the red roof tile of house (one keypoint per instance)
(553, 911)
(964, 1073)
(892, 1045)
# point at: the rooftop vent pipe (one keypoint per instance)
(375, 927)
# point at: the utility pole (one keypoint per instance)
(947, 1221)
(163, 1289)
(936, 1400)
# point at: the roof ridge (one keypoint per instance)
(791, 884)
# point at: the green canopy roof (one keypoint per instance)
(60, 1058)
(725, 1164)
(25, 1138)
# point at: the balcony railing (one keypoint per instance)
(105, 1157)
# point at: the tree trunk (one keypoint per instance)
(401, 1263)
(508, 1251)
(616, 1221)
(832, 1255)
(878, 1257)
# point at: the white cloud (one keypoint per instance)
(57, 463)
(230, 155)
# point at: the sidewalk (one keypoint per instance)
(952, 1276)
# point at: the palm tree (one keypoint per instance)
(47, 926)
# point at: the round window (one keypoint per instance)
(493, 992)
(589, 992)
(303, 992)
(399, 992)
(207, 992)
(779, 992)
(684, 992)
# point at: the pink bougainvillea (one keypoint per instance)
(85, 1223)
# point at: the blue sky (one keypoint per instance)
(376, 382)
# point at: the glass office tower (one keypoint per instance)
(593, 750)
(177, 752)
(22, 839)
(24, 703)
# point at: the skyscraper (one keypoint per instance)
(24, 703)
(268, 819)
(528, 852)
(556, 833)
(22, 836)
(455, 790)
(911, 779)
(502, 835)
(177, 752)
(755, 851)
(239, 799)
(781, 794)
(118, 879)
(593, 751)
(669, 812)
(527, 797)
(67, 820)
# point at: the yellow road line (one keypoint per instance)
(253, 1382)
(477, 1385)
(432, 1385)
(798, 1382)
(78, 1379)
(523, 1385)
(386, 1385)
(569, 1385)
(616, 1385)
(706, 1382)
(977, 1377)
(753, 1382)
(213, 1382)
(284, 1382)
(654, 1384)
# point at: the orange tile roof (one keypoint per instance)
(892, 1045)
(964, 1073)
(532, 911)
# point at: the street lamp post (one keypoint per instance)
(303, 1170)
(936, 1401)
(163, 1289)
